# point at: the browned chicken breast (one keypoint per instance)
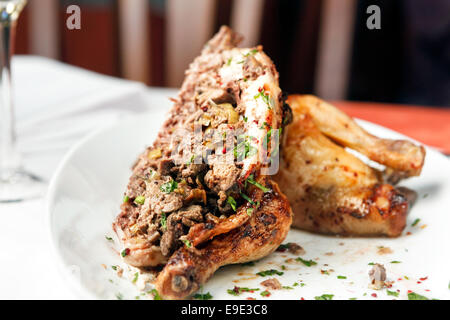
(332, 191)
(204, 180)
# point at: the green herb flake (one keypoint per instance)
(324, 297)
(287, 287)
(307, 263)
(125, 199)
(238, 290)
(187, 243)
(114, 268)
(248, 264)
(249, 211)
(256, 184)
(139, 200)
(169, 187)
(243, 195)
(203, 296)
(265, 293)
(136, 277)
(163, 221)
(232, 202)
(155, 294)
(109, 238)
(269, 273)
(352, 298)
(415, 222)
(119, 296)
(371, 263)
(392, 293)
(125, 252)
(341, 277)
(395, 261)
(191, 160)
(416, 296)
(229, 61)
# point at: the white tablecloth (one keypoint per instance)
(56, 106)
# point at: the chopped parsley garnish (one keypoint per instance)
(256, 184)
(238, 290)
(109, 238)
(139, 200)
(136, 276)
(341, 277)
(307, 263)
(191, 160)
(287, 287)
(325, 297)
(187, 243)
(396, 261)
(415, 222)
(155, 294)
(371, 263)
(232, 202)
(125, 199)
(203, 296)
(119, 296)
(265, 97)
(163, 221)
(114, 268)
(125, 252)
(416, 296)
(251, 53)
(245, 118)
(352, 298)
(243, 195)
(270, 272)
(169, 187)
(392, 293)
(229, 61)
(244, 149)
(265, 293)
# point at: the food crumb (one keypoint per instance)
(384, 250)
(273, 284)
(377, 277)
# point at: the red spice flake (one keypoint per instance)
(418, 282)
(408, 233)
(302, 298)
(428, 290)
(224, 150)
(409, 291)
(260, 89)
(374, 295)
(255, 121)
(399, 279)
(250, 298)
(204, 108)
(423, 279)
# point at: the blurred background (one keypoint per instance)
(319, 46)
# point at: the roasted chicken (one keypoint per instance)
(200, 196)
(332, 191)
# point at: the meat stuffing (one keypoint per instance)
(205, 176)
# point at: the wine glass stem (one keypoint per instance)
(9, 160)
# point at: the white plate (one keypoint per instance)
(87, 189)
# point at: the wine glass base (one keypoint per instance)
(21, 186)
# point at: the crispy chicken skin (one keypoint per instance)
(330, 190)
(189, 268)
(196, 202)
(401, 156)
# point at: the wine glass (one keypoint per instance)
(15, 183)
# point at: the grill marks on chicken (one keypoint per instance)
(171, 205)
(331, 190)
